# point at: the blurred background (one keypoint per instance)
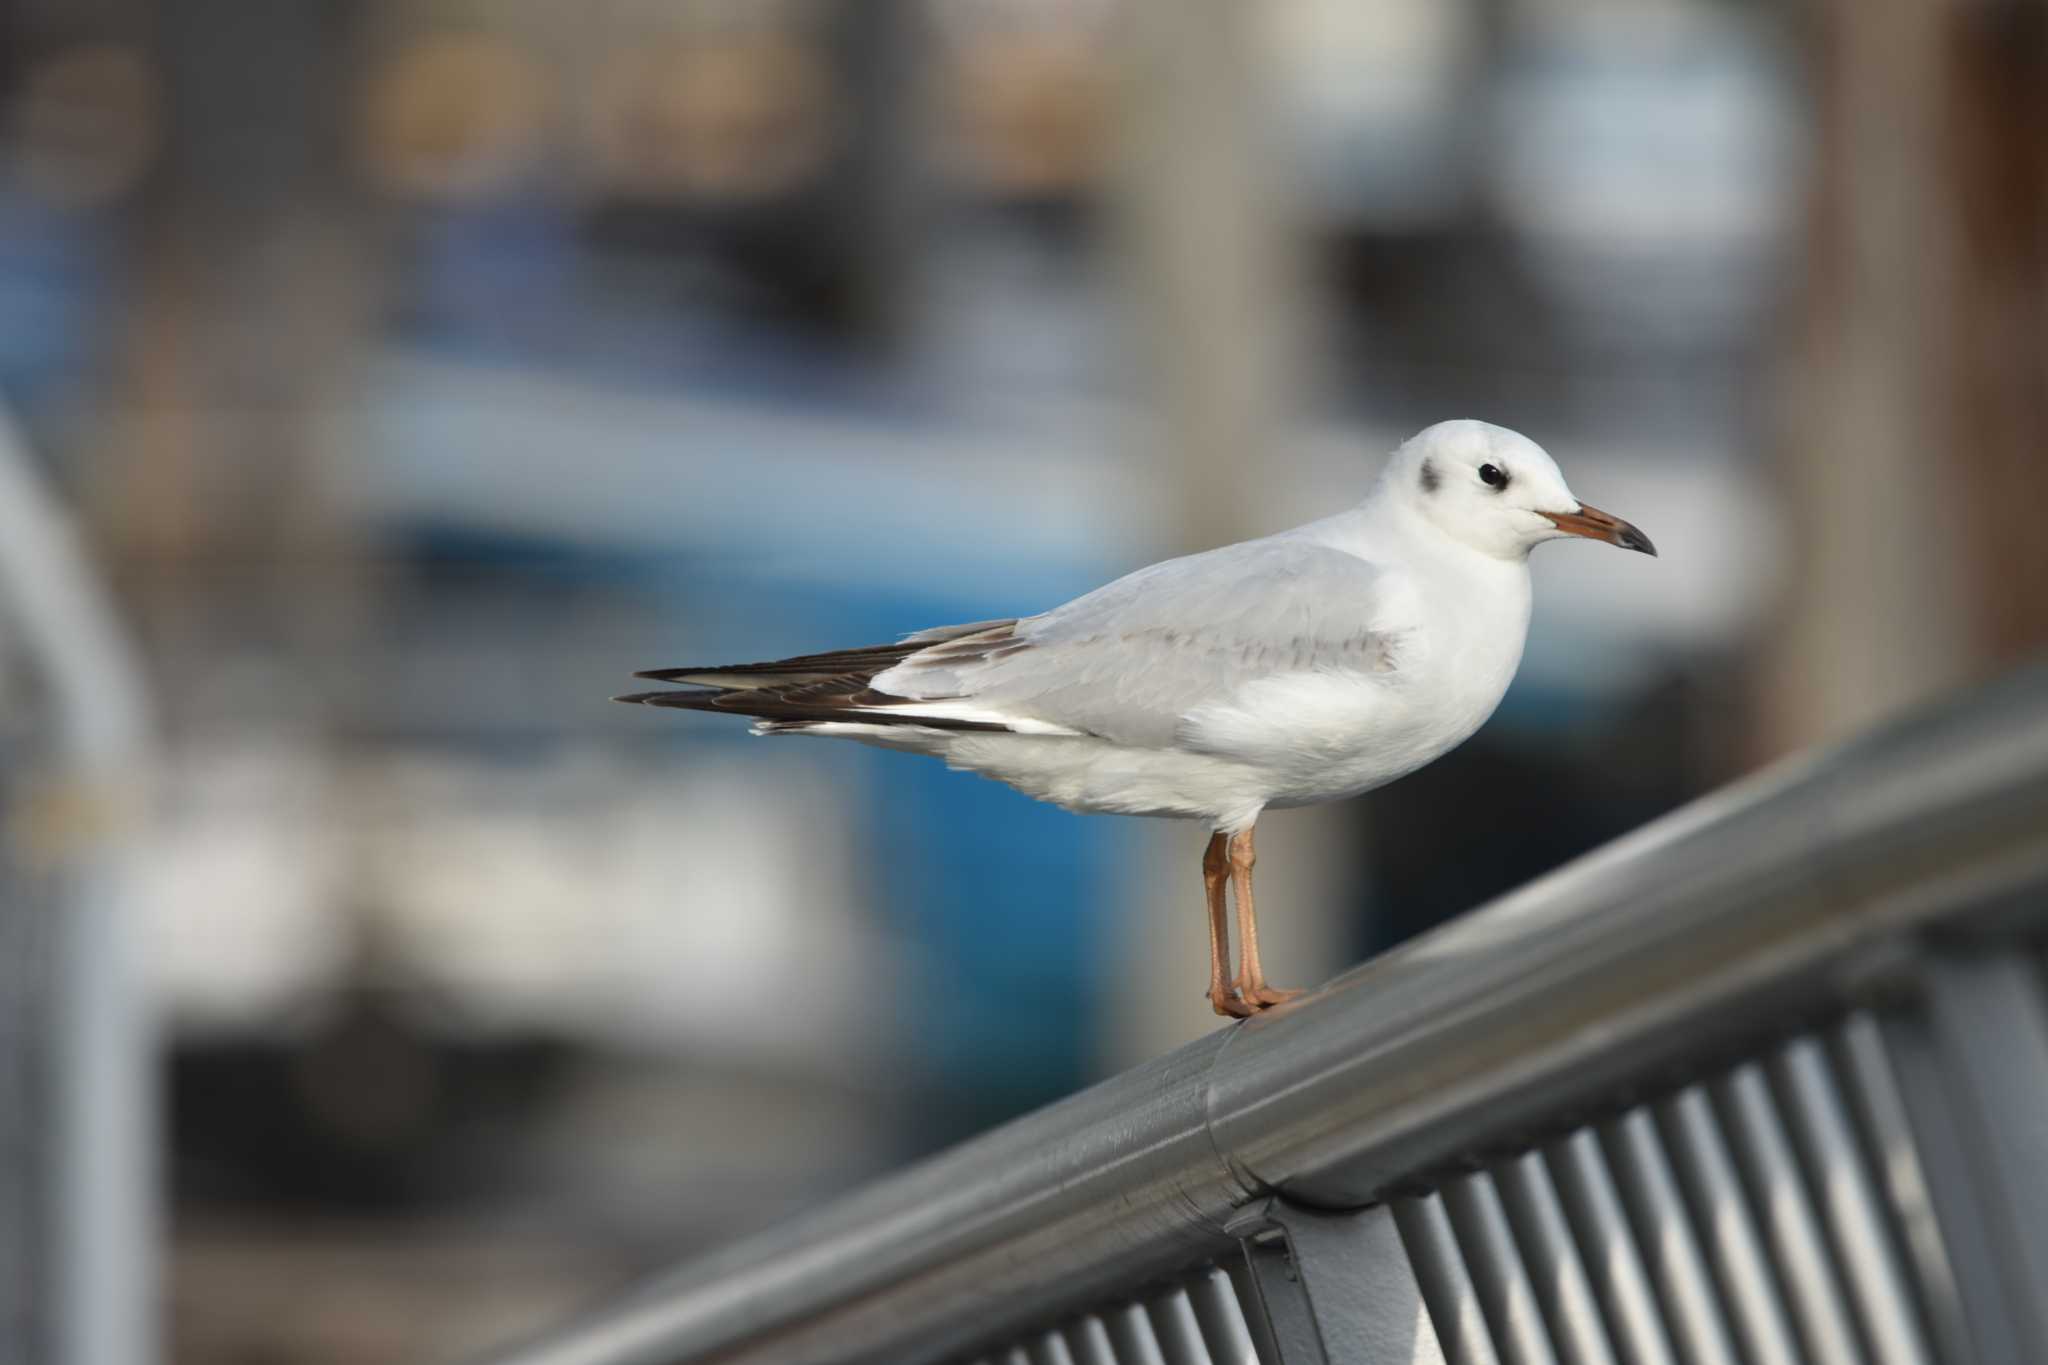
(382, 383)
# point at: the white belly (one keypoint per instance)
(1093, 775)
(1321, 737)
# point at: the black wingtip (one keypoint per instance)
(644, 698)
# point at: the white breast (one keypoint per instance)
(1321, 736)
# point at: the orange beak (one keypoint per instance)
(1594, 524)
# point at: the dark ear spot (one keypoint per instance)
(1431, 481)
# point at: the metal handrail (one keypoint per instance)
(103, 1256)
(1745, 913)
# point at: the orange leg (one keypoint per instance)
(1251, 985)
(1215, 878)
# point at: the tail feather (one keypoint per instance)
(799, 706)
(811, 688)
(863, 663)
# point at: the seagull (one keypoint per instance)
(1306, 666)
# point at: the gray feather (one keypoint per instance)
(1129, 660)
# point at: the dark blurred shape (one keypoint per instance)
(85, 123)
(371, 1109)
(1995, 122)
(1501, 811)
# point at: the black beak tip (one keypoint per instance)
(1632, 539)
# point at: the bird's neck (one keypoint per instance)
(1477, 604)
(1384, 520)
(1386, 528)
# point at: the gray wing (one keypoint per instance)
(1128, 661)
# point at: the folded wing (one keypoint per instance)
(1128, 663)
(1131, 660)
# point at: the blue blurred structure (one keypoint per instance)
(60, 267)
(997, 899)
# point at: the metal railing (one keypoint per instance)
(1765, 1081)
(81, 1194)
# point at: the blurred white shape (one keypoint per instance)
(1721, 545)
(699, 902)
(1647, 155)
(244, 875)
(1371, 95)
(621, 903)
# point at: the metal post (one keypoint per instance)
(1336, 1288)
(104, 1125)
(1990, 1024)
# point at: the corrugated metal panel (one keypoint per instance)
(1581, 1253)
(1872, 1081)
(1203, 1321)
(1786, 1212)
(1447, 1286)
(1179, 1333)
(1989, 1017)
(1130, 1331)
(1263, 1345)
(1505, 1292)
(1971, 1063)
(1755, 1305)
(1222, 1319)
(1593, 1205)
(1050, 1349)
(1773, 1216)
(1563, 1288)
(1848, 1200)
(1089, 1340)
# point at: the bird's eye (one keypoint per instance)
(1493, 476)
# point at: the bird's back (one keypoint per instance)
(1128, 661)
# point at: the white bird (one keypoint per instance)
(1306, 666)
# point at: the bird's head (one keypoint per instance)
(1496, 491)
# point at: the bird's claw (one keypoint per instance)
(1227, 1004)
(1265, 997)
(1241, 1003)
